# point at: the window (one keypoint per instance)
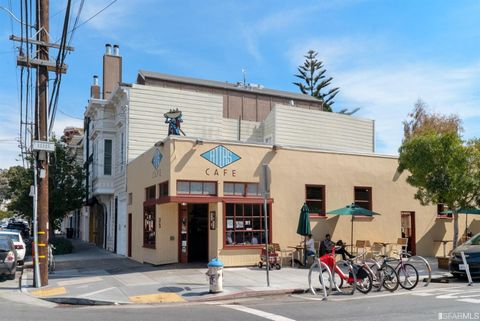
(107, 157)
(443, 212)
(315, 199)
(244, 224)
(197, 188)
(163, 189)
(241, 189)
(363, 197)
(130, 198)
(150, 193)
(149, 227)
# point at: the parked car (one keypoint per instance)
(471, 248)
(20, 226)
(8, 259)
(18, 243)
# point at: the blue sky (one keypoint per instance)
(383, 54)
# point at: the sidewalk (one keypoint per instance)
(94, 276)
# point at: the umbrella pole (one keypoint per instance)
(351, 238)
(466, 226)
(305, 251)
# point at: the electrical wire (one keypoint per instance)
(96, 14)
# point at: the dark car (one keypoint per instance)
(8, 258)
(471, 248)
(20, 226)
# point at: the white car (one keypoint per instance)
(18, 242)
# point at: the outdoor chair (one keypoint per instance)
(376, 249)
(401, 246)
(283, 253)
(360, 247)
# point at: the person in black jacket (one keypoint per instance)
(327, 245)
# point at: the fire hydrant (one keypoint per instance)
(215, 275)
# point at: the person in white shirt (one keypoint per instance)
(254, 239)
(310, 245)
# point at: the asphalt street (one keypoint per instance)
(438, 301)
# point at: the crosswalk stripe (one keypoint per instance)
(260, 313)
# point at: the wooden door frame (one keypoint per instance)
(182, 257)
(129, 253)
(413, 238)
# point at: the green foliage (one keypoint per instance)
(62, 245)
(19, 181)
(6, 214)
(65, 186)
(442, 167)
(312, 72)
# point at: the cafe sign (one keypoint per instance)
(221, 157)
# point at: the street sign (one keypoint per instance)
(43, 145)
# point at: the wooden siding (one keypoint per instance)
(202, 115)
(251, 132)
(324, 130)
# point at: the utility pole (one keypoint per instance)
(40, 140)
(41, 110)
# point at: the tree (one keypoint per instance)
(66, 189)
(442, 167)
(312, 72)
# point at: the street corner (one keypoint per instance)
(156, 298)
(48, 292)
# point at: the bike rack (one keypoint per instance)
(320, 265)
(429, 268)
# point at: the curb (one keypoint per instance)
(250, 294)
(80, 301)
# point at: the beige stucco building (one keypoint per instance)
(205, 200)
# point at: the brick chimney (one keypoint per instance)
(112, 69)
(95, 88)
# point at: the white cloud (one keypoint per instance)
(385, 89)
(63, 121)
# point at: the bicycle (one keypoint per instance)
(51, 259)
(373, 269)
(346, 275)
(407, 273)
(388, 275)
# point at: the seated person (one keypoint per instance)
(229, 238)
(310, 247)
(254, 239)
(326, 246)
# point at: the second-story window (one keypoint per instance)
(315, 199)
(107, 157)
(241, 189)
(363, 197)
(197, 188)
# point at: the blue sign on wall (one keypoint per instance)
(220, 156)
(156, 159)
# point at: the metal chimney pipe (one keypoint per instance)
(95, 80)
(116, 50)
(108, 49)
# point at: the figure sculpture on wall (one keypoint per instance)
(174, 119)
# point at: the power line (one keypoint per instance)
(96, 14)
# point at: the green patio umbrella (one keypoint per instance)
(352, 210)
(466, 211)
(303, 228)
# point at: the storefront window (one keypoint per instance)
(315, 199)
(150, 193)
(163, 189)
(244, 224)
(197, 188)
(241, 189)
(149, 227)
(363, 197)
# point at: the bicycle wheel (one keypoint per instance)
(365, 284)
(319, 276)
(342, 274)
(390, 278)
(376, 274)
(408, 276)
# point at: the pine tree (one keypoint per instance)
(312, 72)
